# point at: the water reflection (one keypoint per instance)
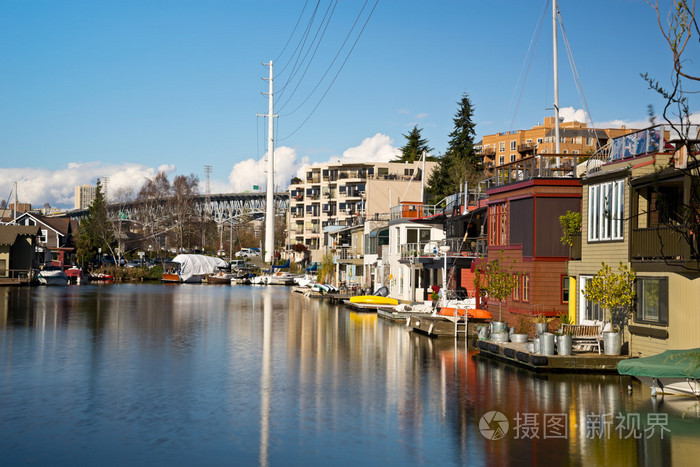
(149, 373)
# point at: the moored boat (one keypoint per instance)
(670, 372)
(377, 300)
(220, 277)
(191, 268)
(52, 276)
(76, 275)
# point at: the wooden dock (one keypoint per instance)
(517, 354)
(439, 326)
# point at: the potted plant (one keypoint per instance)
(498, 282)
(434, 295)
(541, 324)
(522, 331)
(611, 290)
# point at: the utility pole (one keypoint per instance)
(269, 201)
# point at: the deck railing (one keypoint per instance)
(658, 243)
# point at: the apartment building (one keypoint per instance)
(348, 194)
(575, 138)
(84, 196)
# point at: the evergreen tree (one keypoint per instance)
(415, 146)
(460, 162)
(95, 229)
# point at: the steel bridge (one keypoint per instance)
(221, 208)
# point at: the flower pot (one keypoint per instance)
(540, 328)
(564, 344)
(547, 343)
(611, 343)
(517, 338)
(498, 326)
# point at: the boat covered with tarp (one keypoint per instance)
(670, 372)
(191, 268)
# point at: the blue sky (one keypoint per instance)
(125, 88)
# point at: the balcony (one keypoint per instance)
(660, 244)
(414, 211)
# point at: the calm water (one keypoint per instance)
(146, 374)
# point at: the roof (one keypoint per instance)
(59, 224)
(9, 233)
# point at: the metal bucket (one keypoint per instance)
(519, 338)
(536, 345)
(564, 344)
(611, 343)
(498, 326)
(499, 337)
(540, 328)
(547, 343)
(483, 331)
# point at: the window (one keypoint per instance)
(512, 157)
(516, 292)
(539, 140)
(498, 224)
(589, 310)
(579, 140)
(501, 160)
(526, 287)
(512, 145)
(408, 172)
(565, 289)
(44, 237)
(589, 142)
(651, 295)
(502, 146)
(575, 151)
(606, 210)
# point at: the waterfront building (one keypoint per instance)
(576, 138)
(54, 243)
(632, 203)
(346, 195)
(17, 253)
(525, 200)
(84, 196)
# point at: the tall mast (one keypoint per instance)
(269, 203)
(556, 79)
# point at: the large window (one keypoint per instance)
(651, 295)
(565, 289)
(498, 224)
(526, 288)
(502, 146)
(606, 203)
(512, 145)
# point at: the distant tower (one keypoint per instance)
(84, 195)
(105, 183)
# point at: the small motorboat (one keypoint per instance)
(52, 275)
(101, 277)
(377, 300)
(76, 275)
(220, 277)
(670, 372)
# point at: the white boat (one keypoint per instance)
(191, 268)
(305, 281)
(670, 372)
(281, 278)
(52, 276)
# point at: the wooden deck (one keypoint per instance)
(439, 326)
(517, 354)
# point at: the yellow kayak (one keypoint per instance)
(374, 300)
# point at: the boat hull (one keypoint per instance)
(374, 300)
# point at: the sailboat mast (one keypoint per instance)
(556, 79)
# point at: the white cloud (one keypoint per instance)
(421, 116)
(251, 172)
(39, 186)
(569, 114)
(57, 187)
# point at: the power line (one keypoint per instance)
(327, 22)
(336, 75)
(300, 45)
(293, 31)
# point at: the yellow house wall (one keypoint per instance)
(683, 317)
